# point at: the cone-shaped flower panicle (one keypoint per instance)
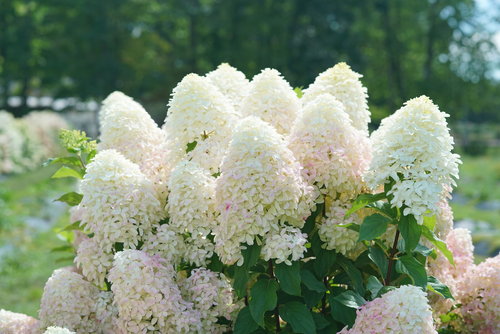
(412, 147)
(45, 126)
(201, 116)
(93, 261)
(334, 155)
(401, 311)
(345, 85)
(272, 99)
(11, 145)
(147, 297)
(119, 202)
(260, 186)
(128, 128)
(17, 323)
(69, 301)
(285, 245)
(167, 243)
(230, 82)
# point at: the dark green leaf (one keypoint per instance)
(289, 277)
(350, 299)
(373, 227)
(241, 273)
(320, 320)
(434, 285)
(244, 322)
(65, 248)
(324, 261)
(311, 297)
(378, 256)
(263, 298)
(440, 244)
(71, 198)
(414, 269)
(373, 285)
(363, 200)
(299, 317)
(67, 172)
(311, 282)
(341, 313)
(354, 275)
(191, 146)
(423, 250)
(410, 231)
(350, 226)
(385, 289)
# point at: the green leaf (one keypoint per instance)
(434, 285)
(373, 285)
(342, 313)
(350, 299)
(244, 322)
(354, 274)
(299, 317)
(311, 282)
(191, 146)
(385, 289)
(289, 277)
(298, 91)
(378, 256)
(71, 227)
(410, 231)
(320, 321)
(373, 227)
(430, 222)
(66, 172)
(71, 198)
(425, 251)
(350, 226)
(65, 248)
(324, 261)
(71, 161)
(363, 200)
(241, 273)
(263, 298)
(414, 269)
(440, 244)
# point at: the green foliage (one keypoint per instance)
(410, 231)
(299, 317)
(373, 227)
(263, 298)
(289, 277)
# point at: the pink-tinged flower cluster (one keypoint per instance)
(344, 84)
(400, 311)
(230, 82)
(285, 245)
(17, 323)
(147, 296)
(334, 154)
(198, 112)
(69, 301)
(260, 188)
(93, 261)
(412, 147)
(211, 295)
(272, 99)
(128, 128)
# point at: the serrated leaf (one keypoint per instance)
(71, 198)
(241, 273)
(289, 277)
(311, 282)
(244, 322)
(378, 257)
(434, 285)
(373, 285)
(373, 227)
(66, 172)
(440, 244)
(299, 317)
(350, 299)
(410, 231)
(341, 313)
(363, 200)
(414, 269)
(263, 298)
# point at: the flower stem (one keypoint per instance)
(391, 258)
(276, 311)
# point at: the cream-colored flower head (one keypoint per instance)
(345, 85)
(120, 204)
(11, 145)
(128, 128)
(413, 147)
(260, 186)
(17, 323)
(45, 126)
(334, 154)
(199, 112)
(272, 99)
(230, 82)
(58, 330)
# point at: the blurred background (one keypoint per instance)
(67, 56)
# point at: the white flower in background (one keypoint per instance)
(259, 187)
(400, 311)
(17, 323)
(147, 297)
(93, 261)
(272, 99)
(120, 203)
(69, 301)
(212, 295)
(45, 126)
(199, 112)
(344, 84)
(334, 155)
(11, 145)
(230, 82)
(58, 330)
(128, 128)
(167, 243)
(285, 245)
(413, 148)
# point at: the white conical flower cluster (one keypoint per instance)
(285, 245)
(344, 84)
(17, 323)
(334, 155)
(199, 114)
(143, 142)
(413, 148)
(272, 99)
(260, 188)
(230, 82)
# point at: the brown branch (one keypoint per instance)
(391, 258)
